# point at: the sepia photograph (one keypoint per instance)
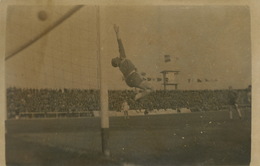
(128, 85)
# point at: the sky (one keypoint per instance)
(204, 42)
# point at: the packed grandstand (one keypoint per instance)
(22, 100)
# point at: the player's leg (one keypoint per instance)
(136, 81)
(146, 86)
(147, 89)
(125, 114)
(238, 111)
(230, 112)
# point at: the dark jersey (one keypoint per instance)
(132, 78)
(126, 67)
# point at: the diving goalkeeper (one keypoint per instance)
(128, 69)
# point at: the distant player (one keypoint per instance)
(249, 95)
(233, 103)
(125, 108)
(131, 77)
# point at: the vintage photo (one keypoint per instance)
(135, 85)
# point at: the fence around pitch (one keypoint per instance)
(27, 115)
(78, 114)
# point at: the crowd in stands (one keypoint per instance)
(70, 100)
(197, 100)
(49, 100)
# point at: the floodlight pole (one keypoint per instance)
(104, 113)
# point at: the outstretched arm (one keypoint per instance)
(119, 41)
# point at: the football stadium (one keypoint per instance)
(174, 88)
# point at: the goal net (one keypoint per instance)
(65, 56)
(52, 59)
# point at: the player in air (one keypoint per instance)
(128, 69)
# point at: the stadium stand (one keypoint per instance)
(55, 103)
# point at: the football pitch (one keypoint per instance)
(199, 139)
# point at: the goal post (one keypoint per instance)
(104, 113)
(3, 114)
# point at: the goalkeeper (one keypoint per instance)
(131, 77)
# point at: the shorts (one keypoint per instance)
(134, 80)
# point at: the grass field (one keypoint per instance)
(200, 139)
